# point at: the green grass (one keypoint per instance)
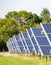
(22, 60)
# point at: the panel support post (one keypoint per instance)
(41, 57)
(47, 58)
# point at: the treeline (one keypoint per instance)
(15, 22)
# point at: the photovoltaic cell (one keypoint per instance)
(42, 42)
(30, 33)
(25, 35)
(12, 43)
(31, 48)
(49, 35)
(19, 43)
(37, 31)
(28, 41)
(11, 46)
(23, 41)
(35, 47)
(47, 30)
(33, 40)
(46, 50)
(47, 27)
(16, 45)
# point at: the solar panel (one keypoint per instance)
(42, 42)
(28, 43)
(25, 35)
(47, 27)
(46, 50)
(12, 43)
(30, 33)
(36, 47)
(10, 46)
(19, 44)
(47, 30)
(49, 35)
(17, 37)
(16, 45)
(23, 43)
(32, 41)
(37, 31)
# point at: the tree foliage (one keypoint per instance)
(17, 22)
(45, 14)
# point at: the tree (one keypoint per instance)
(36, 18)
(12, 14)
(45, 14)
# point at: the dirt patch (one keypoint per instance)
(7, 54)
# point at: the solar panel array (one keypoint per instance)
(34, 40)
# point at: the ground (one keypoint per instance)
(19, 59)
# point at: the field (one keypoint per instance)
(15, 59)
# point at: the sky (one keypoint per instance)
(34, 6)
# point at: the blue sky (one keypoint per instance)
(34, 6)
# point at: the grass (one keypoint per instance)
(23, 60)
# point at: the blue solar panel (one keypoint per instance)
(31, 48)
(17, 37)
(25, 35)
(47, 27)
(22, 49)
(23, 41)
(30, 33)
(20, 46)
(33, 41)
(49, 35)
(42, 41)
(47, 30)
(28, 41)
(16, 45)
(21, 36)
(36, 47)
(46, 50)
(11, 46)
(37, 31)
(19, 43)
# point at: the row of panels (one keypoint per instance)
(34, 40)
